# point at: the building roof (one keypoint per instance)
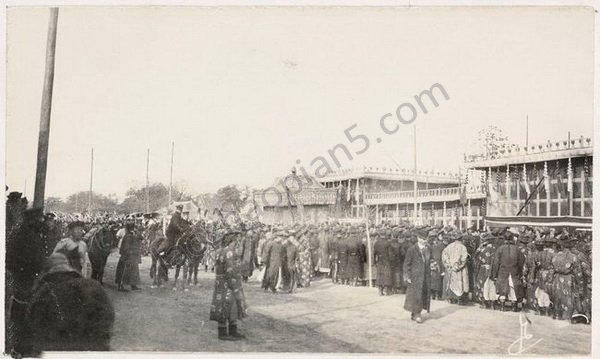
(391, 174)
(547, 152)
(294, 190)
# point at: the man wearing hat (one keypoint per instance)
(437, 268)
(483, 287)
(567, 270)
(74, 248)
(540, 274)
(24, 261)
(51, 233)
(417, 274)
(272, 259)
(507, 272)
(175, 229)
(381, 253)
(228, 304)
(454, 259)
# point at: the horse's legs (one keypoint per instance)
(177, 268)
(186, 268)
(196, 265)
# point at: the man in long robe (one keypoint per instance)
(454, 259)
(417, 273)
(381, 253)
(229, 302)
(272, 260)
(437, 267)
(484, 288)
(507, 272)
(566, 268)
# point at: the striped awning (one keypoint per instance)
(557, 221)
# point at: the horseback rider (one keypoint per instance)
(175, 229)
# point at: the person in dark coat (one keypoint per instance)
(417, 273)
(381, 253)
(175, 229)
(332, 248)
(131, 256)
(272, 259)
(355, 252)
(68, 312)
(507, 268)
(288, 269)
(249, 256)
(437, 267)
(342, 255)
(24, 262)
(396, 262)
(51, 234)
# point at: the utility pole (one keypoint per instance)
(147, 181)
(44, 134)
(91, 182)
(415, 178)
(527, 132)
(171, 179)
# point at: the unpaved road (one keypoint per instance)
(324, 318)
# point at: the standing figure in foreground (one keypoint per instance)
(507, 272)
(131, 255)
(454, 258)
(417, 274)
(228, 303)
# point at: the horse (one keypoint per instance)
(158, 270)
(100, 241)
(186, 254)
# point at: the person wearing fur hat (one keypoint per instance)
(229, 302)
(68, 312)
(507, 272)
(454, 259)
(437, 267)
(24, 260)
(567, 270)
(381, 254)
(130, 258)
(272, 259)
(540, 275)
(484, 287)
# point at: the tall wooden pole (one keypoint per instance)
(527, 132)
(171, 178)
(147, 181)
(91, 181)
(44, 134)
(415, 179)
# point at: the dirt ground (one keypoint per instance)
(324, 318)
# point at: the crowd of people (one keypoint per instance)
(538, 269)
(543, 270)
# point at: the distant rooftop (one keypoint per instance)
(391, 173)
(543, 152)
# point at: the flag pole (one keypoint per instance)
(44, 133)
(171, 178)
(415, 177)
(91, 181)
(147, 181)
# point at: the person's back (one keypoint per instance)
(68, 312)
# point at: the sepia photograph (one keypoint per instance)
(406, 180)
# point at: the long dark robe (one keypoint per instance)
(417, 269)
(273, 258)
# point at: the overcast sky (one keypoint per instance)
(245, 93)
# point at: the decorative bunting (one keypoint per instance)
(570, 176)
(526, 181)
(546, 179)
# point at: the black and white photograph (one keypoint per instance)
(405, 180)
